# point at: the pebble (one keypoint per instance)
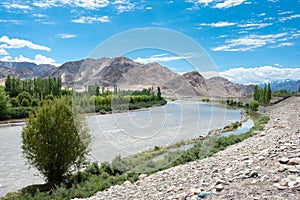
(219, 187)
(284, 160)
(294, 161)
(203, 194)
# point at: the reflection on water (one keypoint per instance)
(119, 133)
(246, 126)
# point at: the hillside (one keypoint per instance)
(127, 74)
(265, 166)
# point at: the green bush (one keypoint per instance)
(14, 102)
(25, 102)
(254, 105)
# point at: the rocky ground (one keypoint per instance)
(266, 166)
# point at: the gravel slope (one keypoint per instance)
(266, 166)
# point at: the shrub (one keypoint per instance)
(25, 102)
(254, 105)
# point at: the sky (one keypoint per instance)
(248, 41)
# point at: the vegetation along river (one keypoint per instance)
(119, 133)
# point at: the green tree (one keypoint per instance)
(265, 95)
(4, 103)
(256, 93)
(269, 93)
(159, 93)
(8, 85)
(56, 139)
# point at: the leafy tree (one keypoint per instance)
(4, 103)
(56, 139)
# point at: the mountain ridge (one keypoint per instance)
(128, 74)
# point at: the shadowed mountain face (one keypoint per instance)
(127, 74)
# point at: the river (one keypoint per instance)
(119, 133)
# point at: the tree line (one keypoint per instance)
(263, 95)
(37, 87)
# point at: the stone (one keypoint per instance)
(194, 197)
(127, 183)
(253, 174)
(292, 184)
(294, 161)
(142, 176)
(264, 178)
(203, 194)
(195, 191)
(279, 187)
(284, 160)
(219, 187)
(281, 169)
(293, 170)
(228, 170)
(247, 172)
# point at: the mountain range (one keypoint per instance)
(288, 85)
(127, 74)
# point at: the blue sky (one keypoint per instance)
(249, 41)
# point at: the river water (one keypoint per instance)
(119, 134)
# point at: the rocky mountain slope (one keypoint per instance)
(24, 69)
(265, 166)
(127, 74)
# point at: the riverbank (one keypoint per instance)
(265, 166)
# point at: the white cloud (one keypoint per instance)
(66, 36)
(38, 59)
(224, 4)
(162, 58)
(14, 43)
(91, 20)
(125, 8)
(3, 52)
(219, 24)
(260, 74)
(11, 21)
(87, 4)
(285, 12)
(254, 25)
(39, 15)
(261, 14)
(289, 17)
(284, 44)
(250, 42)
(229, 3)
(16, 6)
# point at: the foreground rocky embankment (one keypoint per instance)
(266, 166)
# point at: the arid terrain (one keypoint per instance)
(266, 166)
